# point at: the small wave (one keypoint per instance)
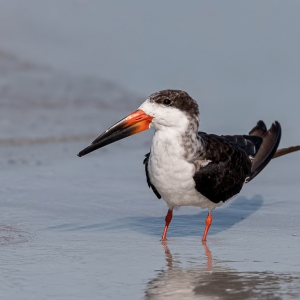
(11, 235)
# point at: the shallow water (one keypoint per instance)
(210, 278)
(89, 228)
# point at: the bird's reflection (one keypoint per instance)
(212, 279)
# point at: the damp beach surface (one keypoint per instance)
(90, 228)
(74, 228)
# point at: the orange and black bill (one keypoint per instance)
(134, 123)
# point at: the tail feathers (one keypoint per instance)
(267, 150)
(259, 130)
(285, 151)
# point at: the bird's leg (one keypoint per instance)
(208, 222)
(168, 221)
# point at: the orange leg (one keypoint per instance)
(208, 222)
(168, 221)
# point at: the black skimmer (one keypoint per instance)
(190, 168)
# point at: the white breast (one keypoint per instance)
(171, 174)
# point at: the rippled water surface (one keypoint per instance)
(89, 228)
(74, 228)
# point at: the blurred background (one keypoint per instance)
(238, 59)
(89, 228)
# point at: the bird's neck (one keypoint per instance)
(173, 143)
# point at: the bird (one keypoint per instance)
(187, 167)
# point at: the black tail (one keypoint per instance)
(269, 145)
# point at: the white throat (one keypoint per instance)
(174, 149)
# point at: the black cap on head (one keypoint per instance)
(178, 99)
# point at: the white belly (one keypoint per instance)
(172, 176)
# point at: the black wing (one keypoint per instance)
(250, 144)
(230, 165)
(227, 170)
(148, 178)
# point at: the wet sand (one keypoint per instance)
(89, 228)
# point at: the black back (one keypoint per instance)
(228, 169)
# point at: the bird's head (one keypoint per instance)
(162, 110)
(170, 109)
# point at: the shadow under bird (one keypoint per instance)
(186, 167)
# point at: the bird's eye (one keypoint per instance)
(167, 101)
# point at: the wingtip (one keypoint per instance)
(262, 124)
(259, 129)
(271, 140)
(276, 126)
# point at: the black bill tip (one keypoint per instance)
(90, 149)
